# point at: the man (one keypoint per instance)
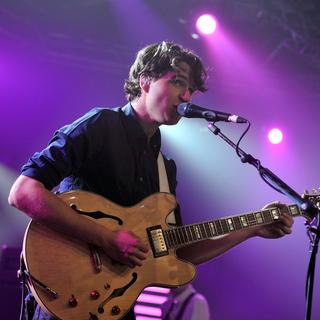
(114, 153)
(185, 303)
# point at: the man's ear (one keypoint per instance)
(144, 83)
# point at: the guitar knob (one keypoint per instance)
(107, 286)
(115, 310)
(73, 302)
(94, 294)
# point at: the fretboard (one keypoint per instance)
(179, 236)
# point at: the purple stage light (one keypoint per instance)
(151, 298)
(275, 136)
(206, 24)
(146, 310)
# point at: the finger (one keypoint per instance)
(134, 260)
(286, 220)
(281, 233)
(143, 247)
(271, 205)
(278, 233)
(286, 230)
(139, 254)
(126, 260)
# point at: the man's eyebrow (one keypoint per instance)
(190, 81)
(182, 76)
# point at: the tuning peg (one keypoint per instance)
(314, 191)
(305, 192)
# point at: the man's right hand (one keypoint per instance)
(124, 247)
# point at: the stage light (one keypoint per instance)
(275, 136)
(206, 24)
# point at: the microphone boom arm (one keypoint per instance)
(268, 176)
(275, 182)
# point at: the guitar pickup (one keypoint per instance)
(157, 241)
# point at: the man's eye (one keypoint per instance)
(178, 82)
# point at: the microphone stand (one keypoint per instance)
(306, 205)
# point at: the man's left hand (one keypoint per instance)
(277, 229)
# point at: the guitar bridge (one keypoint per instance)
(157, 241)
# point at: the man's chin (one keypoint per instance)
(172, 122)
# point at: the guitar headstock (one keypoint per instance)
(313, 197)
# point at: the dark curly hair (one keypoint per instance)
(154, 60)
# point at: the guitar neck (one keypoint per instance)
(191, 233)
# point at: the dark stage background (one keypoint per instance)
(60, 58)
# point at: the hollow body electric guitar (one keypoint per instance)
(72, 280)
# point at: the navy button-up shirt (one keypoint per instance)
(106, 152)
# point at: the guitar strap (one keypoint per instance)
(164, 186)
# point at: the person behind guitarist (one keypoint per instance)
(113, 152)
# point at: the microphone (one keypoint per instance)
(190, 110)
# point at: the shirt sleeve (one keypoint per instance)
(68, 151)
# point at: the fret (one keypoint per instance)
(275, 214)
(206, 225)
(170, 237)
(251, 219)
(189, 233)
(212, 228)
(194, 236)
(224, 226)
(202, 231)
(184, 232)
(267, 216)
(167, 239)
(183, 235)
(197, 231)
(218, 227)
(243, 220)
(294, 210)
(206, 230)
(174, 237)
(230, 224)
(178, 235)
(237, 223)
(259, 217)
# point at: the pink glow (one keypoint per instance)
(206, 24)
(146, 318)
(150, 311)
(275, 136)
(158, 289)
(149, 298)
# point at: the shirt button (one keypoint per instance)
(141, 179)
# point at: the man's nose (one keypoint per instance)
(186, 95)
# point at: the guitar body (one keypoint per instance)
(65, 264)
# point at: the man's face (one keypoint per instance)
(166, 93)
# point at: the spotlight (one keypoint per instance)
(206, 24)
(275, 136)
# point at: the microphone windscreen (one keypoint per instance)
(183, 108)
